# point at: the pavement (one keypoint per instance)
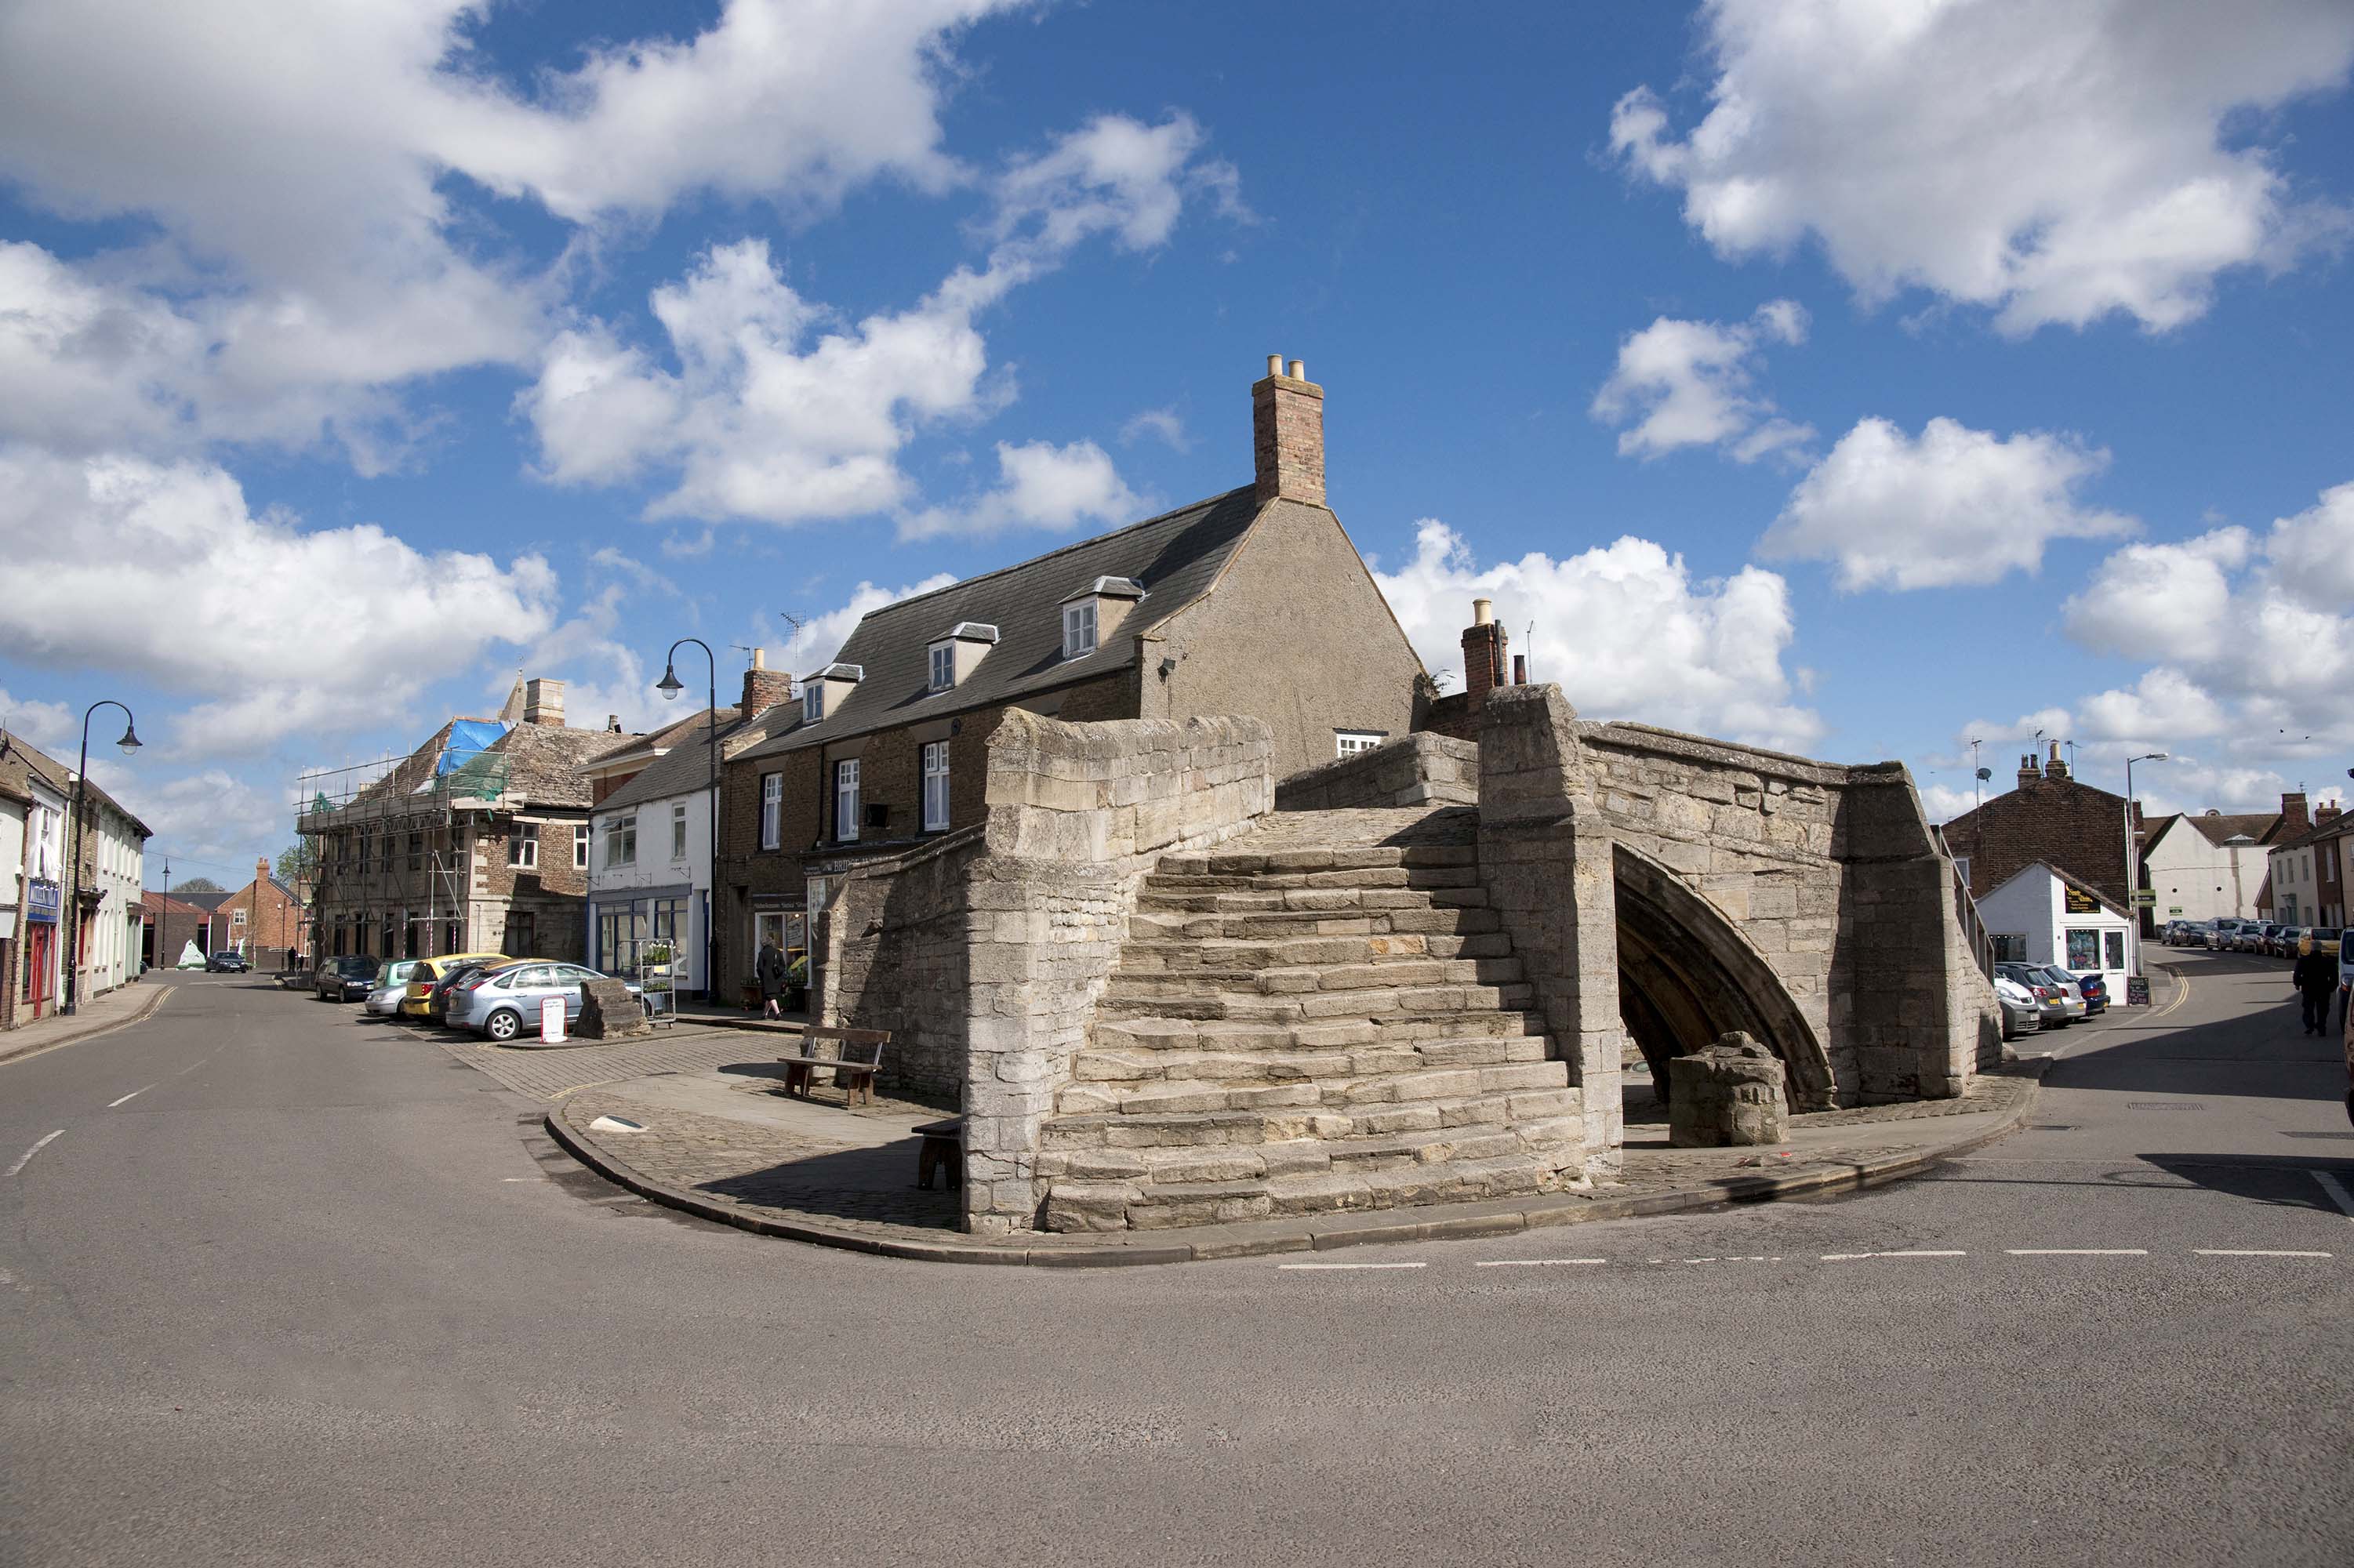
(278, 1286)
(92, 1015)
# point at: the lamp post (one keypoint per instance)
(2133, 858)
(670, 687)
(128, 743)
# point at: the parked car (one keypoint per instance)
(430, 973)
(2220, 932)
(2051, 1002)
(347, 978)
(2330, 939)
(2096, 988)
(2071, 991)
(2256, 936)
(2281, 940)
(391, 986)
(2022, 1013)
(505, 1003)
(2188, 933)
(228, 962)
(452, 975)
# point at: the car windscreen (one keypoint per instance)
(358, 969)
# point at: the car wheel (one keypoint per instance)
(503, 1024)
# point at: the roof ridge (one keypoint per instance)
(1023, 565)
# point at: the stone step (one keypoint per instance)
(1094, 1070)
(1227, 1036)
(1418, 1085)
(1156, 923)
(1418, 878)
(1234, 862)
(1489, 1168)
(1173, 1129)
(1311, 1006)
(1155, 955)
(1127, 985)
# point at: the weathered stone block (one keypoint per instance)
(1729, 1093)
(607, 1012)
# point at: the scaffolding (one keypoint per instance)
(405, 811)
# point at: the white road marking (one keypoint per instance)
(2252, 1252)
(1352, 1266)
(1536, 1262)
(127, 1098)
(25, 1159)
(192, 1066)
(2077, 1251)
(2336, 1191)
(1853, 1257)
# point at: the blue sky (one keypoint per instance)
(1851, 379)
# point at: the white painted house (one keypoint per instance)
(2208, 866)
(2043, 916)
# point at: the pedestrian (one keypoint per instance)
(2315, 979)
(771, 973)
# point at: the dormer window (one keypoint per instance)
(957, 653)
(812, 702)
(824, 692)
(1092, 614)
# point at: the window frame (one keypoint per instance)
(1077, 615)
(812, 701)
(845, 800)
(621, 840)
(523, 846)
(582, 836)
(772, 810)
(943, 666)
(1355, 742)
(935, 784)
(678, 831)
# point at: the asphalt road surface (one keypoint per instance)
(283, 1286)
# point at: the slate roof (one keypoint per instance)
(19, 756)
(661, 739)
(2340, 823)
(1176, 556)
(686, 766)
(2257, 825)
(544, 764)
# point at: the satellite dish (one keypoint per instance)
(1985, 772)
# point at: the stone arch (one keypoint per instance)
(1686, 974)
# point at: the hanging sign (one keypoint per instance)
(551, 1020)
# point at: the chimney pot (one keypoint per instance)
(1275, 365)
(1520, 669)
(759, 658)
(1299, 370)
(1483, 611)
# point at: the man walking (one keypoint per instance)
(2315, 979)
(771, 973)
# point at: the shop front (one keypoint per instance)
(43, 900)
(650, 934)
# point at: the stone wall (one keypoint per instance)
(896, 941)
(1077, 817)
(1419, 769)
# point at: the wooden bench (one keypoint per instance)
(855, 1072)
(943, 1149)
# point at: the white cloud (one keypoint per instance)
(602, 674)
(1688, 383)
(312, 249)
(2052, 162)
(1042, 486)
(816, 639)
(1624, 628)
(780, 411)
(1161, 423)
(47, 725)
(210, 822)
(1951, 507)
(199, 594)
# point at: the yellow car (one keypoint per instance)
(429, 972)
(2322, 939)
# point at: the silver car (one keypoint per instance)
(2022, 1014)
(2070, 988)
(505, 1003)
(391, 985)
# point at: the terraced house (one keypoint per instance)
(1252, 602)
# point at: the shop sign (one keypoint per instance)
(43, 901)
(2079, 902)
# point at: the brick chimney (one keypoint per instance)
(2029, 774)
(1483, 655)
(2293, 814)
(2055, 767)
(1288, 434)
(543, 701)
(261, 871)
(763, 687)
(2328, 812)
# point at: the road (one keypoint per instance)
(282, 1287)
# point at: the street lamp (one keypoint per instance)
(670, 687)
(129, 744)
(2133, 858)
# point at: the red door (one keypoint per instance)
(38, 990)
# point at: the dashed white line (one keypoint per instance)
(1537, 1262)
(2336, 1191)
(1853, 1257)
(2252, 1252)
(2077, 1251)
(1352, 1266)
(25, 1159)
(129, 1098)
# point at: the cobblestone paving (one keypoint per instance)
(1355, 827)
(760, 1166)
(551, 1075)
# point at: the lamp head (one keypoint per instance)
(669, 686)
(129, 741)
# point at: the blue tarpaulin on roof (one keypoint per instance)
(468, 737)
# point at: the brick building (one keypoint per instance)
(477, 839)
(1253, 602)
(264, 920)
(2307, 870)
(2051, 817)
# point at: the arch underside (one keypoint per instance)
(1687, 975)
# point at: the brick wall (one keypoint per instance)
(2061, 822)
(1287, 438)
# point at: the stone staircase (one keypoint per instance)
(1320, 1015)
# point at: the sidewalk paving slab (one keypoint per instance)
(125, 1004)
